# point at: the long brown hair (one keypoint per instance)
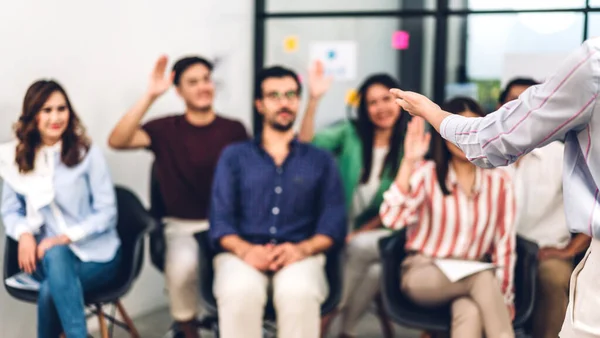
(75, 143)
(440, 153)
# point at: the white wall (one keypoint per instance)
(102, 52)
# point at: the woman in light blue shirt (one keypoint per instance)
(58, 202)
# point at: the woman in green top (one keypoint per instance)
(368, 150)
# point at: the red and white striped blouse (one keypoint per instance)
(457, 225)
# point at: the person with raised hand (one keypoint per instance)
(452, 209)
(368, 149)
(564, 107)
(186, 148)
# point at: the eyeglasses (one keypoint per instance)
(277, 96)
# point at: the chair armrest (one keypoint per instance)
(526, 271)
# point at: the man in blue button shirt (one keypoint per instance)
(276, 206)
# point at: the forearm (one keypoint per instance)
(578, 244)
(316, 244)
(404, 174)
(372, 224)
(307, 129)
(435, 118)
(235, 244)
(125, 130)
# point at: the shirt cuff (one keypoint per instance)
(22, 229)
(75, 233)
(448, 127)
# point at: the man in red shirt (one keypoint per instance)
(186, 149)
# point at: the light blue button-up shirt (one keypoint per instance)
(84, 197)
(565, 107)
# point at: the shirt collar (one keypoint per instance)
(452, 180)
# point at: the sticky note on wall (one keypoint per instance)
(290, 44)
(400, 40)
(352, 98)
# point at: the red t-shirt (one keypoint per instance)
(186, 157)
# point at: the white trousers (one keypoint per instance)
(362, 275)
(182, 267)
(583, 312)
(241, 291)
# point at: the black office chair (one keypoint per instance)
(404, 312)
(333, 270)
(133, 224)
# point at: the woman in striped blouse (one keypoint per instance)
(454, 210)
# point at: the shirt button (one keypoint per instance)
(273, 230)
(275, 211)
(278, 190)
(279, 170)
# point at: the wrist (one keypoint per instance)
(150, 96)
(306, 248)
(63, 240)
(243, 250)
(314, 99)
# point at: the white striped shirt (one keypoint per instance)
(457, 225)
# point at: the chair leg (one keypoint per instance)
(386, 325)
(132, 329)
(102, 322)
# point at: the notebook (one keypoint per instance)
(23, 281)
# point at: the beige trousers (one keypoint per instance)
(583, 313)
(362, 277)
(476, 301)
(552, 297)
(182, 267)
(241, 291)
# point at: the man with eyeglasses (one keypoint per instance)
(186, 148)
(277, 205)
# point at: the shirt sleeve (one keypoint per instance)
(504, 245)
(103, 200)
(331, 138)
(542, 114)
(224, 202)
(400, 208)
(155, 129)
(332, 217)
(13, 213)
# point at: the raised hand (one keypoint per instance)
(416, 141)
(318, 83)
(415, 104)
(159, 82)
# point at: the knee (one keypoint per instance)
(240, 293)
(300, 295)
(182, 268)
(358, 245)
(57, 260)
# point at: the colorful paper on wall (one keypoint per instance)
(352, 98)
(339, 58)
(400, 40)
(290, 44)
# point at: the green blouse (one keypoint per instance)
(343, 140)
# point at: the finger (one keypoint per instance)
(281, 259)
(398, 93)
(427, 138)
(172, 77)
(275, 252)
(161, 65)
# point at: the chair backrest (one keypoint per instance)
(157, 210)
(157, 205)
(132, 225)
(526, 270)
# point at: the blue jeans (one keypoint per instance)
(64, 279)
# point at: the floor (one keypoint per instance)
(156, 324)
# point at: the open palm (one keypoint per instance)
(416, 141)
(159, 83)
(318, 83)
